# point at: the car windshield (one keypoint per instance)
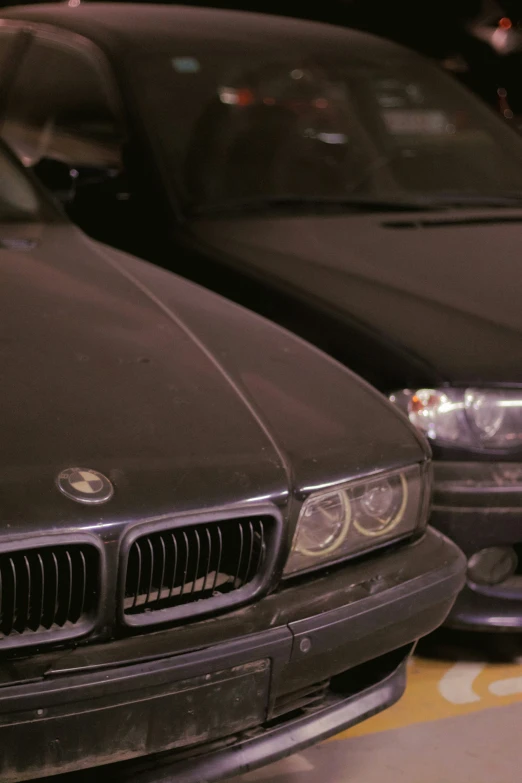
(265, 128)
(19, 200)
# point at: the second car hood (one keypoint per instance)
(444, 286)
(185, 401)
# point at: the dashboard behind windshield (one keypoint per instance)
(268, 126)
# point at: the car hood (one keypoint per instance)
(443, 286)
(184, 400)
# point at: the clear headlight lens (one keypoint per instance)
(338, 523)
(473, 418)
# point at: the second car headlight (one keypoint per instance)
(470, 418)
(357, 516)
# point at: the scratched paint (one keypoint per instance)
(443, 689)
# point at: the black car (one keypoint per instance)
(338, 184)
(213, 543)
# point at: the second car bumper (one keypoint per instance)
(479, 505)
(208, 713)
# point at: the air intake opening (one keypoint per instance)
(289, 706)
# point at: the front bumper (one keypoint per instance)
(479, 505)
(274, 677)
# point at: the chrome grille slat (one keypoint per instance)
(151, 569)
(241, 544)
(250, 548)
(185, 570)
(208, 558)
(47, 589)
(12, 613)
(84, 582)
(194, 563)
(218, 566)
(163, 560)
(39, 616)
(27, 602)
(70, 586)
(138, 580)
(174, 565)
(262, 546)
(55, 591)
(198, 560)
(59, 578)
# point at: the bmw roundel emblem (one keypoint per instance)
(85, 485)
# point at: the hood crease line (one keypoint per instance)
(252, 408)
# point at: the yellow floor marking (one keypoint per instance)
(442, 689)
(456, 685)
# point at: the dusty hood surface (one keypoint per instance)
(184, 400)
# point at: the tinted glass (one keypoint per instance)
(237, 124)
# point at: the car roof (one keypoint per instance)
(113, 25)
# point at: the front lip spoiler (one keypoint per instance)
(276, 743)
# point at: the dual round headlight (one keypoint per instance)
(358, 516)
(325, 524)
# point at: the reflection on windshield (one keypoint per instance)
(397, 131)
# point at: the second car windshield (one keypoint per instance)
(264, 130)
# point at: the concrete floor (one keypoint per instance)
(459, 722)
(481, 748)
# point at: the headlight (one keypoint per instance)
(473, 418)
(344, 521)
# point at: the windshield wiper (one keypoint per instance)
(313, 204)
(464, 200)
